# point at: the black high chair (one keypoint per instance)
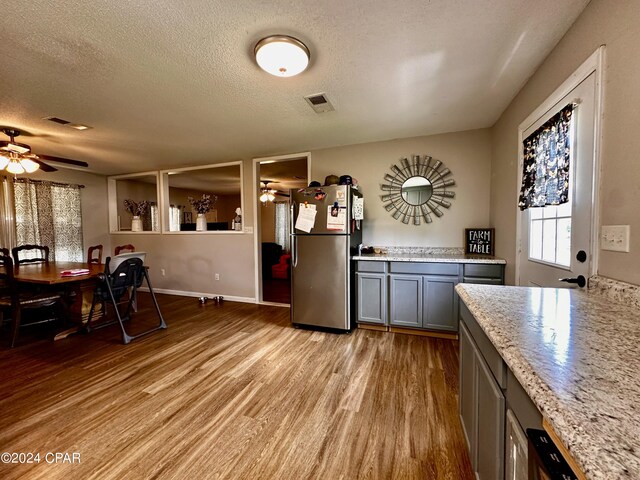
(127, 277)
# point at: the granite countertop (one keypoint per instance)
(428, 257)
(576, 354)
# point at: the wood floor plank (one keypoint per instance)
(232, 391)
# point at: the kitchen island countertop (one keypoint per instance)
(576, 354)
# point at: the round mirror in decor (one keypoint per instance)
(416, 189)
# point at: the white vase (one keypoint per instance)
(136, 224)
(201, 222)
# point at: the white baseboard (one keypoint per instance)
(181, 293)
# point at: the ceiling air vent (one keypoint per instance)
(319, 102)
(62, 121)
(57, 120)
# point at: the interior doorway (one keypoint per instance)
(274, 178)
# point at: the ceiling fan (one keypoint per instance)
(17, 158)
(269, 194)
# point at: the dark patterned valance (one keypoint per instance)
(545, 172)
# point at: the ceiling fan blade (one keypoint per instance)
(43, 166)
(68, 161)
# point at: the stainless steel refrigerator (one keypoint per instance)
(322, 274)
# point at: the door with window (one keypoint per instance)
(556, 240)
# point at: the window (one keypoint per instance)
(282, 225)
(49, 214)
(546, 187)
(174, 218)
(550, 234)
(202, 199)
(133, 203)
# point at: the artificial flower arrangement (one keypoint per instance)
(204, 204)
(136, 209)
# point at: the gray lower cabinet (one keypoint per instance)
(372, 298)
(468, 396)
(416, 294)
(482, 410)
(405, 300)
(490, 424)
(423, 301)
(439, 303)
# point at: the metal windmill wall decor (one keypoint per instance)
(416, 189)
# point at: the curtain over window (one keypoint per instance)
(175, 215)
(49, 214)
(150, 220)
(7, 214)
(547, 151)
(282, 225)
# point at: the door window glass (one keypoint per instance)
(550, 234)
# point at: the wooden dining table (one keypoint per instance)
(51, 274)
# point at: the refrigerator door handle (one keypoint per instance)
(294, 256)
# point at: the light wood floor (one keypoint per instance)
(233, 392)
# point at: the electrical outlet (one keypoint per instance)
(217, 276)
(615, 238)
(163, 272)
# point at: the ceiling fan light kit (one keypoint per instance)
(267, 194)
(16, 165)
(17, 158)
(282, 55)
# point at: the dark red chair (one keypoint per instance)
(281, 269)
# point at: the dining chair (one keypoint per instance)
(124, 248)
(15, 300)
(97, 250)
(113, 286)
(30, 254)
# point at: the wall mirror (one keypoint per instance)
(133, 203)
(203, 199)
(416, 189)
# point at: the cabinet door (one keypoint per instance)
(405, 307)
(490, 420)
(372, 298)
(440, 303)
(468, 406)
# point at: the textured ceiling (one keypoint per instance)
(166, 84)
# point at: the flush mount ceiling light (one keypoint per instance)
(282, 55)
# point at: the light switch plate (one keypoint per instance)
(615, 238)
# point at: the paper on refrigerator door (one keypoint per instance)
(358, 208)
(306, 217)
(336, 218)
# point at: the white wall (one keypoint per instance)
(614, 23)
(468, 156)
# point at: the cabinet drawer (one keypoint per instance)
(482, 270)
(486, 348)
(371, 266)
(428, 268)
